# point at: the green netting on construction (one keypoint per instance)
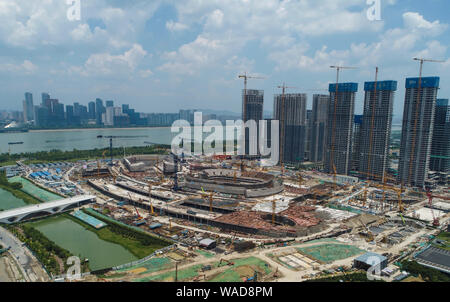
(33, 190)
(330, 252)
(233, 273)
(205, 253)
(152, 265)
(184, 274)
(227, 276)
(318, 241)
(344, 208)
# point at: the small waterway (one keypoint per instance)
(83, 243)
(32, 189)
(68, 234)
(8, 201)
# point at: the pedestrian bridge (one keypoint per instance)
(44, 209)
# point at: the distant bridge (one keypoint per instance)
(44, 209)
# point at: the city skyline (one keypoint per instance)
(179, 49)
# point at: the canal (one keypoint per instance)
(83, 243)
(9, 201)
(67, 233)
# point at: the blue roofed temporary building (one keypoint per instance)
(370, 259)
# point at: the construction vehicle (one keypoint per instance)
(228, 262)
(138, 216)
(370, 235)
(197, 278)
(253, 278)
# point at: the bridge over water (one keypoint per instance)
(44, 209)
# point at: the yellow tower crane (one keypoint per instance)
(274, 209)
(150, 198)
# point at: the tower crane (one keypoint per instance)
(150, 198)
(333, 138)
(436, 222)
(274, 209)
(110, 145)
(419, 87)
(139, 217)
(246, 77)
(372, 121)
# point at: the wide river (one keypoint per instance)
(85, 139)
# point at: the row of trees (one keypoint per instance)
(15, 189)
(58, 155)
(4, 182)
(427, 273)
(44, 249)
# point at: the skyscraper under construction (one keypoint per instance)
(340, 127)
(440, 149)
(417, 130)
(318, 127)
(292, 143)
(252, 109)
(376, 129)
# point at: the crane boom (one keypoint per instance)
(418, 101)
(246, 77)
(332, 164)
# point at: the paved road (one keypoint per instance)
(30, 267)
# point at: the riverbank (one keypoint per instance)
(15, 188)
(139, 244)
(75, 155)
(96, 129)
(50, 255)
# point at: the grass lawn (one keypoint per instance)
(443, 236)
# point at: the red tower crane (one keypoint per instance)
(430, 203)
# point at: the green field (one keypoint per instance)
(127, 239)
(443, 236)
(184, 274)
(241, 267)
(33, 190)
(327, 253)
(152, 265)
(205, 253)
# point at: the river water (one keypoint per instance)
(9, 201)
(82, 139)
(83, 243)
(85, 139)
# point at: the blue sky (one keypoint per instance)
(162, 56)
